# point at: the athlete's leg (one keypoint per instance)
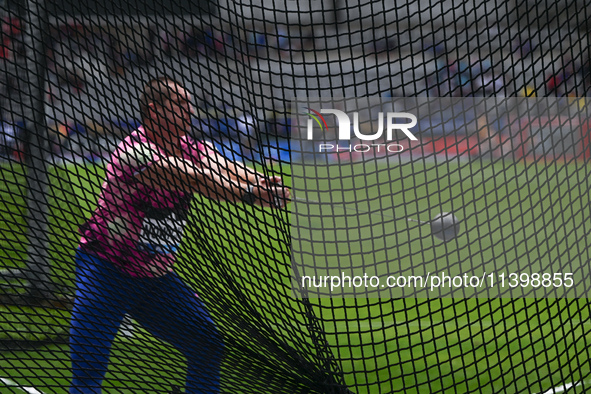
(98, 311)
(173, 313)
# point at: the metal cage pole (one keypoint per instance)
(37, 271)
(38, 268)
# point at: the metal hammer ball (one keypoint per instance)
(445, 226)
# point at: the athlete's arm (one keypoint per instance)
(213, 181)
(234, 169)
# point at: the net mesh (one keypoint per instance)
(71, 78)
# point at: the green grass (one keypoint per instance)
(442, 345)
(136, 365)
(68, 206)
(513, 212)
(515, 218)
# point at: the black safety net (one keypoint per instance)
(99, 198)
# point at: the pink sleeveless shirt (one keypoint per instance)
(138, 228)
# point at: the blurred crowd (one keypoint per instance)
(95, 140)
(75, 52)
(74, 49)
(11, 45)
(473, 76)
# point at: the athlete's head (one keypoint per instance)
(166, 107)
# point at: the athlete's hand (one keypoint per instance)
(270, 192)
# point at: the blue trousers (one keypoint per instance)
(164, 306)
